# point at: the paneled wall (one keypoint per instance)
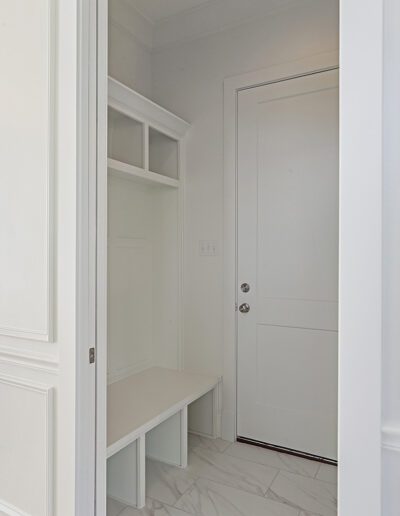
(37, 257)
(143, 272)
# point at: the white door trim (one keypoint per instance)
(101, 272)
(85, 428)
(362, 48)
(232, 86)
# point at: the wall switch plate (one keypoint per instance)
(208, 247)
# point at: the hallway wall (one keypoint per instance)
(130, 42)
(188, 79)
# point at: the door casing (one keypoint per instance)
(270, 115)
(358, 63)
(232, 85)
(360, 241)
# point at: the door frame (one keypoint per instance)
(232, 87)
(360, 249)
(322, 79)
(361, 60)
(101, 257)
(86, 177)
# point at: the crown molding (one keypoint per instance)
(196, 22)
(125, 16)
(214, 17)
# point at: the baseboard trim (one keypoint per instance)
(289, 451)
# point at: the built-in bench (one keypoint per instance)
(147, 415)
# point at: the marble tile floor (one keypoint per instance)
(225, 479)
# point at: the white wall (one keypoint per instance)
(360, 262)
(129, 46)
(391, 261)
(31, 481)
(188, 80)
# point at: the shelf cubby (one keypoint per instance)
(125, 138)
(145, 141)
(163, 154)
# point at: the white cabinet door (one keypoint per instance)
(288, 255)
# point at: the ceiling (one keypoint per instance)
(157, 10)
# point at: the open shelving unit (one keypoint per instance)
(144, 140)
(145, 231)
(149, 393)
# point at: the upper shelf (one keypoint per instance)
(125, 170)
(144, 139)
(128, 101)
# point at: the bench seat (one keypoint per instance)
(135, 406)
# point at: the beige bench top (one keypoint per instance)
(142, 401)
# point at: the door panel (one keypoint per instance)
(288, 253)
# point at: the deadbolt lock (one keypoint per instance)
(245, 287)
(244, 308)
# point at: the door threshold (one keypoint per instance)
(288, 451)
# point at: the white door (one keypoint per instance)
(288, 255)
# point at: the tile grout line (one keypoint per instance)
(316, 474)
(171, 506)
(119, 514)
(244, 460)
(273, 467)
(218, 482)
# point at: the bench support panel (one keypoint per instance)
(167, 442)
(126, 474)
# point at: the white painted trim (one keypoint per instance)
(232, 86)
(101, 257)
(213, 17)
(141, 472)
(46, 334)
(136, 106)
(29, 359)
(360, 257)
(48, 393)
(184, 437)
(144, 175)
(181, 254)
(85, 426)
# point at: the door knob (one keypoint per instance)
(244, 308)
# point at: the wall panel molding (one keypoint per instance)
(29, 359)
(26, 457)
(27, 160)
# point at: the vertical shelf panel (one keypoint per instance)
(163, 154)
(125, 138)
